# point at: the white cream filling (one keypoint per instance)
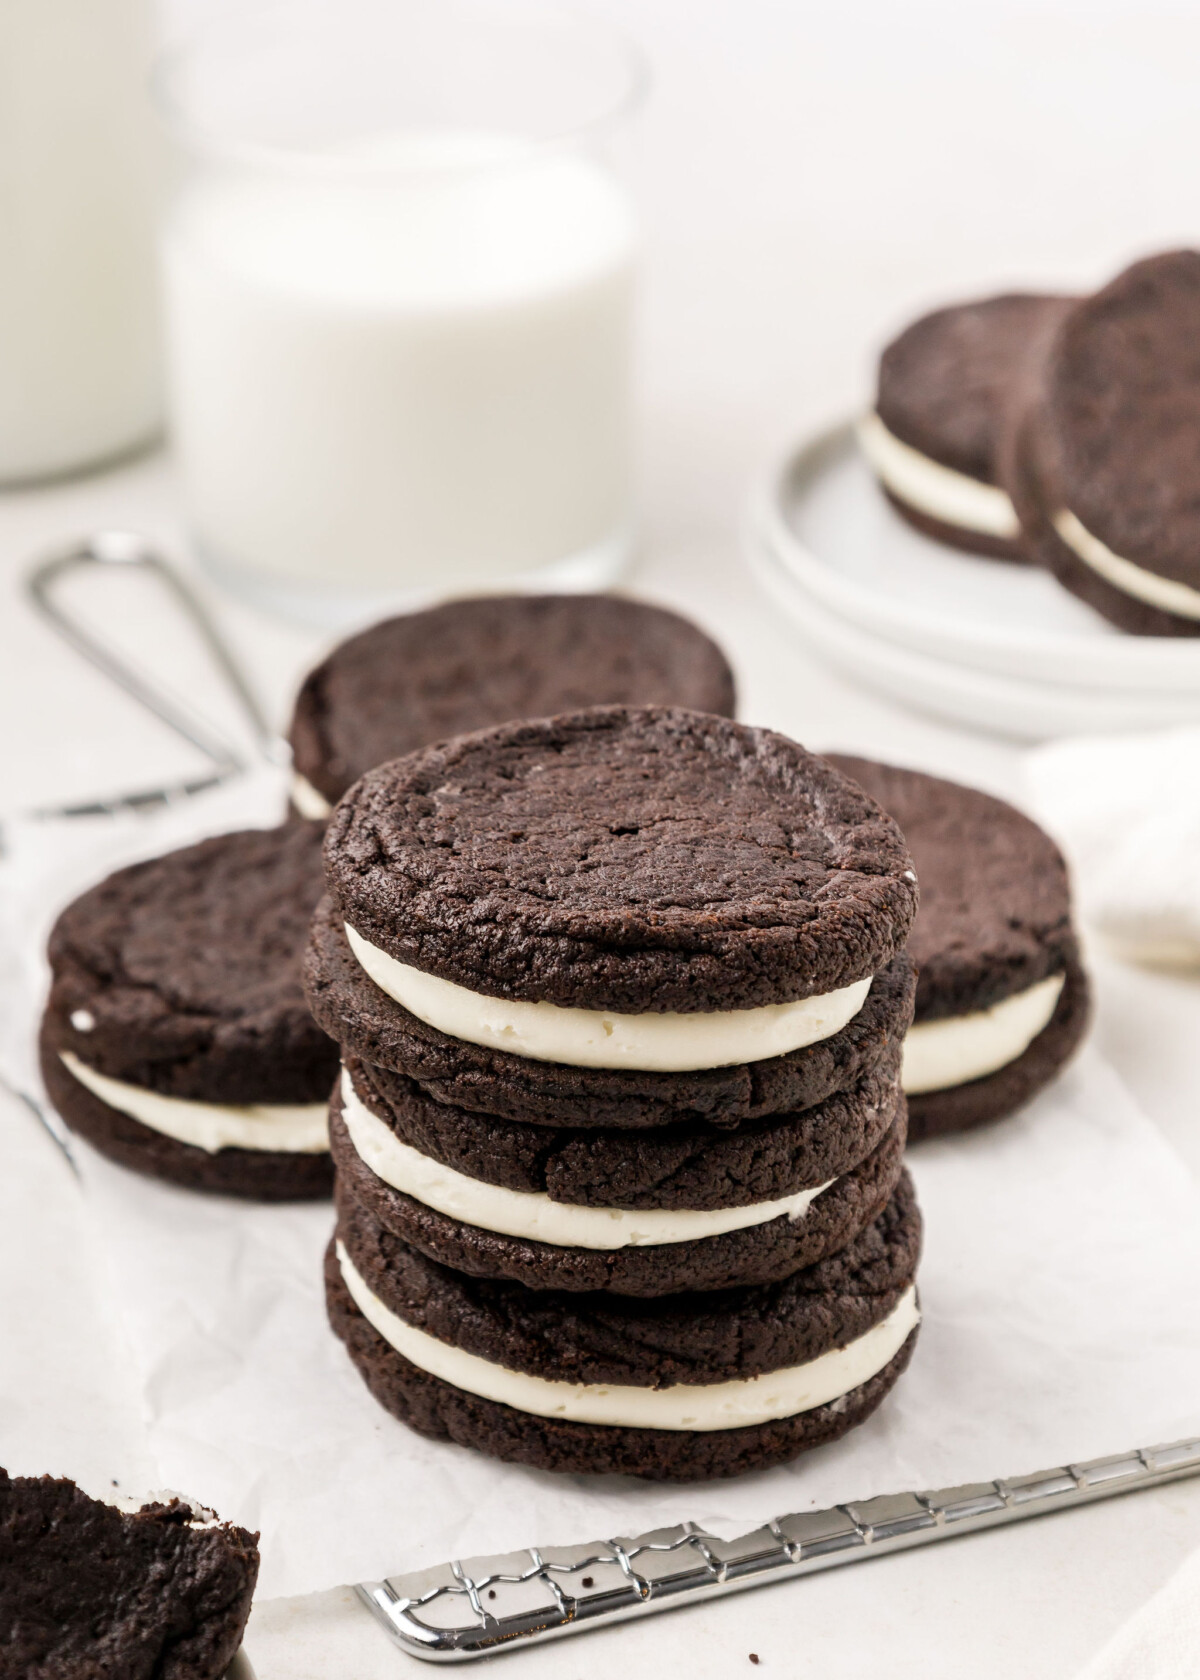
(944, 494)
(1165, 593)
(531, 1213)
(294, 1128)
(938, 1054)
(307, 800)
(130, 1505)
(601, 1038)
(725, 1405)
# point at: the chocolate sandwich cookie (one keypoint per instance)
(1107, 473)
(950, 390)
(646, 889)
(680, 1388)
(176, 1038)
(1002, 1001)
(89, 1589)
(469, 664)
(652, 1213)
(490, 1080)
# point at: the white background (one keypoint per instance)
(809, 176)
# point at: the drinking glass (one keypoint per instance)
(399, 284)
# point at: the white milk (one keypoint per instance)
(404, 367)
(78, 332)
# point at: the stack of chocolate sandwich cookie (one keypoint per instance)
(176, 1038)
(621, 997)
(467, 664)
(1002, 999)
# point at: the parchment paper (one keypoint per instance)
(1060, 1285)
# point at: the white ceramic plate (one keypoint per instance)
(983, 642)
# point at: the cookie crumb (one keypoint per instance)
(587, 1581)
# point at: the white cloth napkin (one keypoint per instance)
(1162, 1642)
(1126, 810)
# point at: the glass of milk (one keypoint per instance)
(399, 284)
(79, 369)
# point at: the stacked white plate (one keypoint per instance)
(981, 642)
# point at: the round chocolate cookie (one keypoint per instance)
(176, 992)
(264, 1175)
(854, 1139)
(87, 1589)
(994, 923)
(976, 1102)
(377, 1029)
(470, 664)
(643, 861)
(445, 1413)
(1106, 477)
(750, 1254)
(669, 1167)
(950, 388)
(689, 1340)
(182, 974)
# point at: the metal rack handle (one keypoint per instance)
(126, 550)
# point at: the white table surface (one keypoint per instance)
(810, 175)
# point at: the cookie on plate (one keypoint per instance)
(1002, 1001)
(681, 1388)
(1106, 478)
(468, 664)
(176, 1037)
(89, 1589)
(949, 389)
(644, 1213)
